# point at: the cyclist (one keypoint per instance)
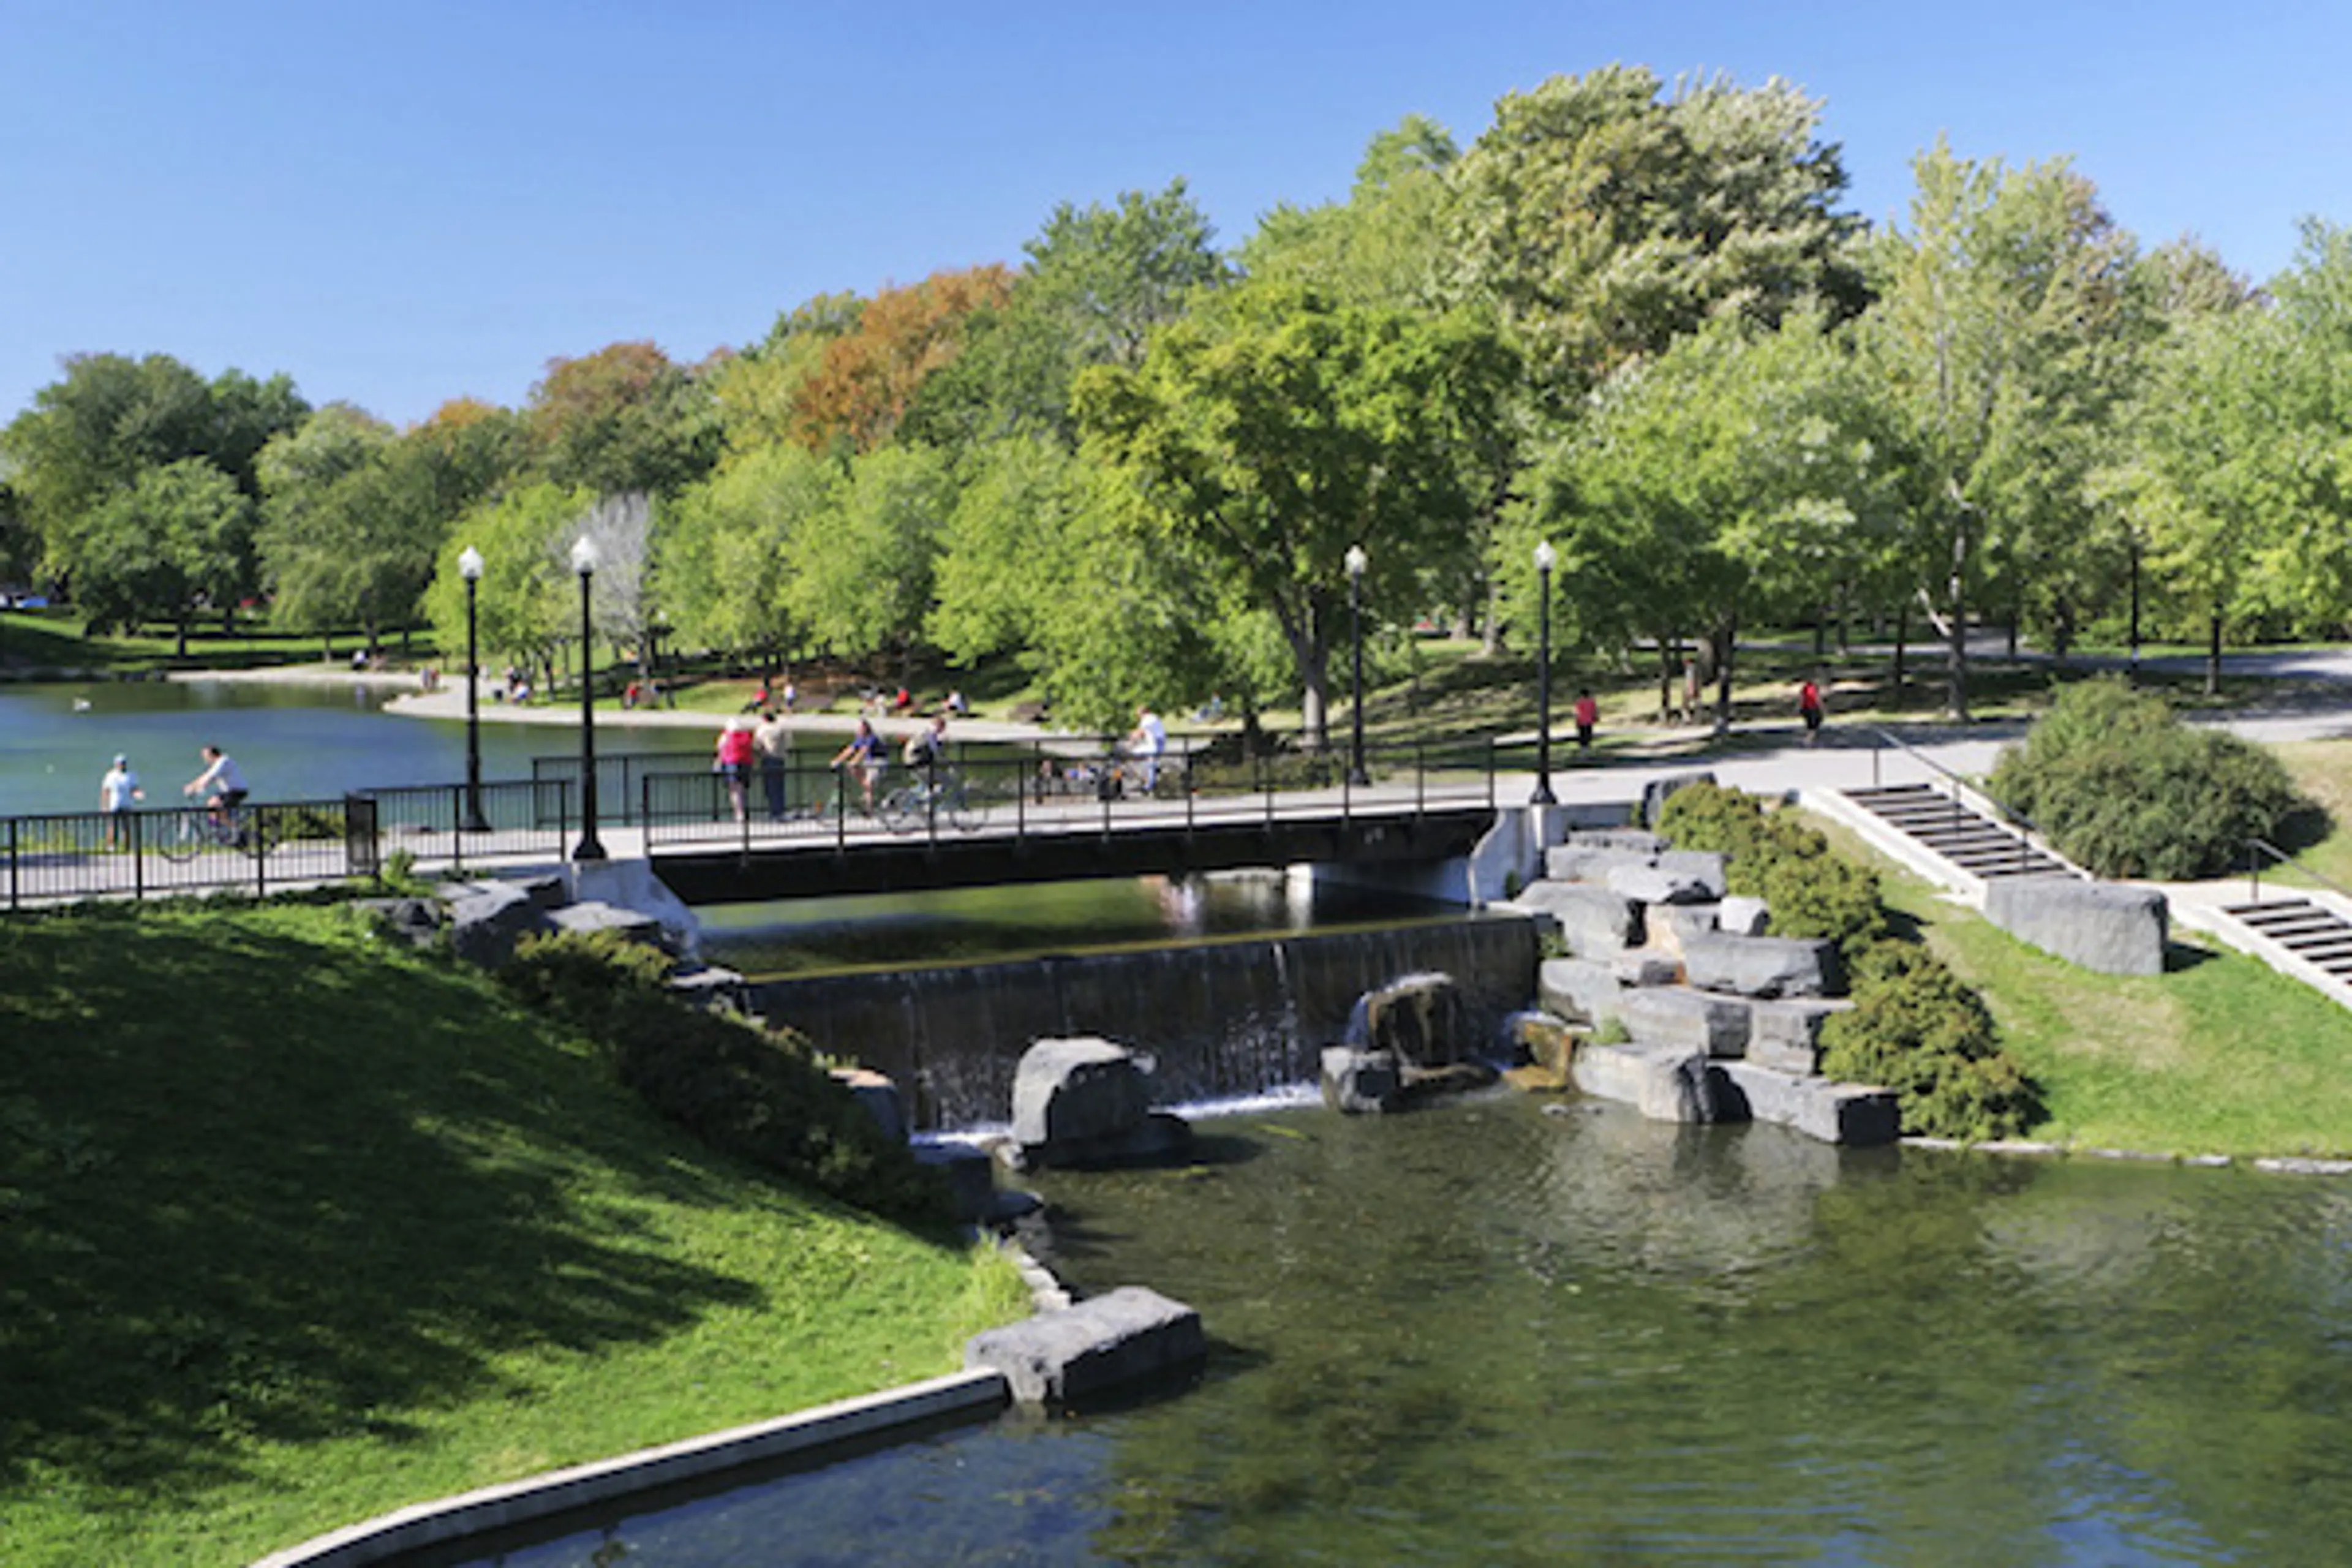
(928, 748)
(225, 780)
(1148, 740)
(865, 754)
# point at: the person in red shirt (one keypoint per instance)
(1809, 709)
(733, 764)
(1587, 714)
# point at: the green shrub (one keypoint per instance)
(1773, 857)
(756, 1093)
(2122, 787)
(1915, 1029)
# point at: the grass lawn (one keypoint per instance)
(2219, 1055)
(60, 639)
(295, 1229)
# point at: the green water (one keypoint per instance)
(1485, 1335)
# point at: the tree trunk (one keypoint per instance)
(1821, 636)
(1666, 673)
(2213, 655)
(2135, 605)
(1902, 646)
(1721, 645)
(1956, 653)
(180, 650)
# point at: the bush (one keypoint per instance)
(2122, 787)
(1773, 857)
(756, 1093)
(1917, 1029)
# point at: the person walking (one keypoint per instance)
(772, 742)
(733, 763)
(1148, 740)
(1587, 714)
(116, 792)
(1809, 709)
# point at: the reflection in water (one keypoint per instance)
(1487, 1335)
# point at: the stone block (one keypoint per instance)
(878, 1096)
(1671, 926)
(1537, 1036)
(1763, 965)
(1130, 1335)
(1077, 1090)
(1678, 1016)
(1705, 865)
(1849, 1113)
(1787, 1036)
(1358, 1082)
(1594, 922)
(1743, 916)
(1590, 862)
(1655, 792)
(1640, 840)
(1420, 1019)
(488, 920)
(2100, 926)
(1645, 969)
(1658, 884)
(1664, 1083)
(1580, 989)
(971, 1177)
(416, 920)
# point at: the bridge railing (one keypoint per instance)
(435, 823)
(1071, 788)
(70, 855)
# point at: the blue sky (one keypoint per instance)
(400, 203)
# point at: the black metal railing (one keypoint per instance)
(435, 824)
(1958, 788)
(2259, 851)
(257, 848)
(1070, 787)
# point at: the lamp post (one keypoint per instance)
(469, 567)
(583, 563)
(1545, 561)
(1357, 561)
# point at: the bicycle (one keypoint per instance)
(198, 828)
(926, 799)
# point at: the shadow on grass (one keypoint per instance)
(253, 1186)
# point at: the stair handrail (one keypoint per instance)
(2254, 869)
(2032, 834)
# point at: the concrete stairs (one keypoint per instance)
(2309, 931)
(1956, 832)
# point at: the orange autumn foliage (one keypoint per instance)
(869, 376)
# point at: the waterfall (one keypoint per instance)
(1221, 1019)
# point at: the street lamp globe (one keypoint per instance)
(1546, 557)
(584, 555)
(1357, 561)
(470, 564)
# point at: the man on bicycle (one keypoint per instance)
(226, 783)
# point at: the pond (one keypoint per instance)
(294, 741)
(1488, 1334)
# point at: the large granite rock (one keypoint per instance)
(1582, 989)
(487, 919)
(597, 916)
(1743, 916)
(1684, 1019)
(879, 1096)
(1655, 792)
(416, 921)
(1420, 1019)
(1129, 1335)
(1574, 862)
(1640, 840)
(1645, 968)
(1787, 1036)
(1763, 965)
(1358, 1082)
(1703, 866)
(1663, 1083)
(1658, 883)
(1085, 1103)
(1848, 1113)
(1594, 922)
(1669, 926)
(2101, 926)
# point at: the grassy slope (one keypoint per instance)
(294, 1230)
(2220, 1055)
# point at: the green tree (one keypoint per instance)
(346, 538)
(2007, 324)
(623, 419)
(859, 580)
(1605, 220)
(721, 551)
(1272, 429)
(529, 600)
(178, 541)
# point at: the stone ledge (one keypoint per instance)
(972, 1393)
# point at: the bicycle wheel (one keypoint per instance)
(182, 834)
(256, 834)
(962, 810)
(902, 810)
